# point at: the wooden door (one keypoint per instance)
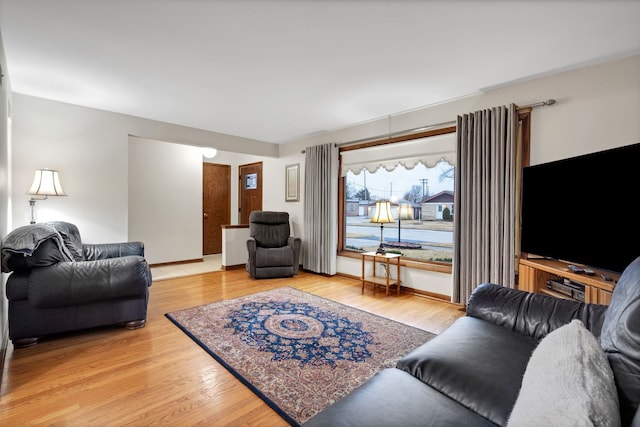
(250, 190)
(216, 205)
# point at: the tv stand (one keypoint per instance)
(534, 273)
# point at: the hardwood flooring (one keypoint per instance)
(157, 375)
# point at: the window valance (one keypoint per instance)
(428, 151)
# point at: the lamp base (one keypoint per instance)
(32, 203)
(381, 250)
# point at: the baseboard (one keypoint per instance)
(408, 290)
(232, 267)
(186, 261)
(237, 267)
(325, 274)
(427, 294)
(3, 349)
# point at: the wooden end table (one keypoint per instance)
(386, 280)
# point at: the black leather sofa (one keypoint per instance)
(59, 284)
(471, 374)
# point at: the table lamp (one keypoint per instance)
(381, 216)
(46, 182)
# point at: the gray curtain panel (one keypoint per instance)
(321, 209)
(485, 200)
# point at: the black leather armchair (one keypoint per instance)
(59, 284)
(273, 252)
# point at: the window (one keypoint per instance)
(417, 177)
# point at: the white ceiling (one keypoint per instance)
(279, 70)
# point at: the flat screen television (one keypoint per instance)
(584, 209)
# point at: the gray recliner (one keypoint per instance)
(273, 252)
(59, 284)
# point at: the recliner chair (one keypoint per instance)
(59, 284)
(273, 252)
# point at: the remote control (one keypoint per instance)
(589, 272)
(575, 269)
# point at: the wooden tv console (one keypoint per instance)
(534, 273)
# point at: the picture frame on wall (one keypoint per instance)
(292, 183)
(251, 181)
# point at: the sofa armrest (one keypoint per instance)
(251, 262)
(76, 283)
(531, 314)
(97, 251)
(296, 243)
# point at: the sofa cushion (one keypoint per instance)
(394, 398)
(568, 382)
(620, 339)
(270, 229)
(275, 257)
(75, 283)
(531, 314)
(476, 363)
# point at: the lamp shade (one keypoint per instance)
(405, 211)
(382, 214)
(46, 182)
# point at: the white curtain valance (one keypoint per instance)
(428, 151)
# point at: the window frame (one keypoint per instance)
(438, 266)
(524, 121)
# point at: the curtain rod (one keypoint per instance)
(392, 134)
(546, 103)
(538, 104)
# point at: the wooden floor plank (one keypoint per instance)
(158, 375)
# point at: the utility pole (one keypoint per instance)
(366, 192)
(425, 186)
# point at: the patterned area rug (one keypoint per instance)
(297, 351)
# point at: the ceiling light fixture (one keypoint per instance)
(209, 152)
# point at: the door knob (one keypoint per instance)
(205, 215)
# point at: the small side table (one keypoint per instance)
(381, 280)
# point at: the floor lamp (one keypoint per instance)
(382, 216)
(46, 182)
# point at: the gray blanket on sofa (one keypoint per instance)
(23, 241)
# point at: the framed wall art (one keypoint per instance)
(251, 181)
(292, 183)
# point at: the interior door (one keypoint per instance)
(216, 205)
(250, 190)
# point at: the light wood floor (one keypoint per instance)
(157, 375)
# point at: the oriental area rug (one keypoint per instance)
(297, 351)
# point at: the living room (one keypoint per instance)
(106, 210)
(99, 154)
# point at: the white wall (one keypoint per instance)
(90, 148)
(165, 199)
(598, 108)
(5, 185)
(234, 248)
(273, 199)
(273, 191)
